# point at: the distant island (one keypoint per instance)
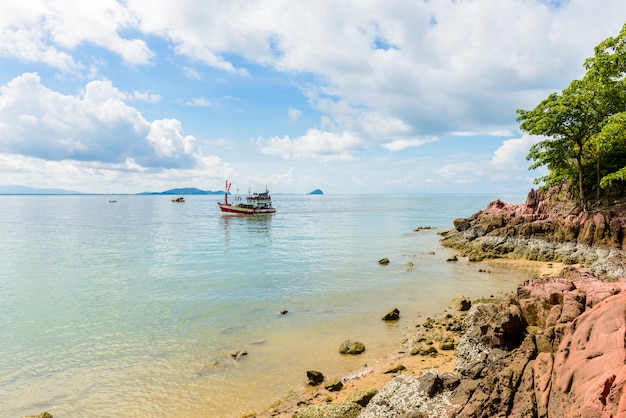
(316, 191)
(184, 191)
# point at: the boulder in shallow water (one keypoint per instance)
(393, 315)
(238, 354)
(461, 303)
(351, 347)
(315, 377)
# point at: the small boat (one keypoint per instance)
(255, 204)
(179, 200)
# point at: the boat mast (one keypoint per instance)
(226, 191)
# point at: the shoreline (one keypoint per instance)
(385, 368)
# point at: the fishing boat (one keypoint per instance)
(255, 204)
(179, 200)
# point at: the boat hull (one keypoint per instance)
(238, 210)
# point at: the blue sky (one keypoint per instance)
(365, 96)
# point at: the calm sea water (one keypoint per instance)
(133, 308)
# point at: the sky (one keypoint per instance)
(351, 97)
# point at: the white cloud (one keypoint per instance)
(401, 144)
(294, 115)
(99, 126)
(512, 154)
(47, 31)
(508, 162)
(428, 67)
(316, 144)
(199, 101)
(144, 96)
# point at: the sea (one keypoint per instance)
(131, 305)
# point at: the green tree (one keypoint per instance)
(608, 69)
(612, 140)
(582, 124)
(568, 121)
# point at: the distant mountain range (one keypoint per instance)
(185, 191)
(24, 190)
(33, 190)
(37, 191)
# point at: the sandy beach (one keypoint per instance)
(402, 360)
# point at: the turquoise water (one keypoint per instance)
(133, 308)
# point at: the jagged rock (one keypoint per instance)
(393, 315)
(489, 326)
(588, 373)
(408, 396)
(547, 227)
(315, 377)
(501, 381)
(351, 347)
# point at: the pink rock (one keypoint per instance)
(588, 375)
(543, 381)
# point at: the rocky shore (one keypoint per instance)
(547, 227)
(554, 347)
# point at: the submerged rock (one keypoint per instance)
(461, 303)
(392, 315)
(351, 347)
(315, 377)
(238, 354)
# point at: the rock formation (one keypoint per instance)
(547, 227)
(556, 348)
(351, 347)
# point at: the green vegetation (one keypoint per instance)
(585, 128)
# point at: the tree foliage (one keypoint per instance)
(584, 126)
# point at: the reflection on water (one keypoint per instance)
(253, 224)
